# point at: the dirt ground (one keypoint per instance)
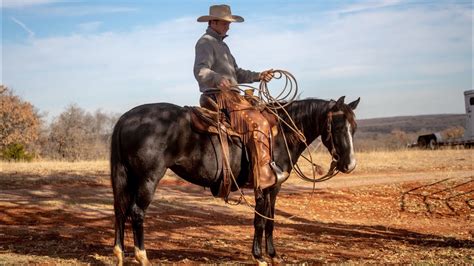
(67, 217)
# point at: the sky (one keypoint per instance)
(401, 57)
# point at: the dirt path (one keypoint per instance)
(385, 218)
(360, 180)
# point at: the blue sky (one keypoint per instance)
(401, 57)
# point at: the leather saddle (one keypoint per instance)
(208, 120)
(204, 120)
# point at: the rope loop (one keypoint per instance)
(277, 104)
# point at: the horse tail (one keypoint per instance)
(119, 176)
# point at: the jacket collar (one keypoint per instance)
(214, 34)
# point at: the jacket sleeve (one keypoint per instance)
(203, 62)
(245, 76)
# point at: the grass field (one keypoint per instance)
(402, 161)
(410, 206)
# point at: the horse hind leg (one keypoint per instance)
(119, 238)
(121, 205)
(144, 196)
(138, 217)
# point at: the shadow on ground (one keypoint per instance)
(65, 216)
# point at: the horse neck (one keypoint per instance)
(309, 116)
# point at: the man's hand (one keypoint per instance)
(224, 84)
(266, 75)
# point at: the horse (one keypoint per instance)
(151, 138)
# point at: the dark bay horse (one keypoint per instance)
(151, 138)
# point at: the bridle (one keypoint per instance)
(264, 93)
(333, 171)
(330, 138)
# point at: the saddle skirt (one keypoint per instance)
(207, 121)
(204, 120)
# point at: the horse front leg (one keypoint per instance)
(262, 208)
(270, 248)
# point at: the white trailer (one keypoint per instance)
(469, 101)
(434, 140)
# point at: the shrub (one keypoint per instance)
(16, 152)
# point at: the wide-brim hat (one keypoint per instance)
(220, 12)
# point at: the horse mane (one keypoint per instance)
(300, 110)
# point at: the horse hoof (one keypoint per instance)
(277, 261)
(140, 256)
(119, 255)
(260, 262)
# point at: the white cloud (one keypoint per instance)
(98, 70)
(25, 3)
(84, 10)
(46, 8)
(368, 6)
(89, 26)
(367, 54)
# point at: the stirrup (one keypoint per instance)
(281, 176)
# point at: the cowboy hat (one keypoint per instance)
(220, 12)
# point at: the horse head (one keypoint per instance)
(338, 133)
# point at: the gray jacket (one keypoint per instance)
(214, 61)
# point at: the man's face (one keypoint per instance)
(220, 26)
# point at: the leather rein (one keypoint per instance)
(335, 157)
(333, 171)
(290, 91)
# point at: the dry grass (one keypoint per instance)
(417, 160)
(402, 161)
(53, 167)
(405, 161)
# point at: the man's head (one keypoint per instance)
(220, 26)
(219, 18)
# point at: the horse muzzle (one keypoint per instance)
(348, 168)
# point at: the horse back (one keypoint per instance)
(161, 136)
(148, 133)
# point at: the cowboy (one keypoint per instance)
(217, 74)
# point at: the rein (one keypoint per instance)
(290, 91)
(273, 104)
(334, 156)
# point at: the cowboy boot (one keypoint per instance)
(267, 172)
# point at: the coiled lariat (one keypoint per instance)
(276, 105)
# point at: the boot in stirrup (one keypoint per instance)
(281, 176)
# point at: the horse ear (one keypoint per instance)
(340, 102)
(332, 104)
(353, 105)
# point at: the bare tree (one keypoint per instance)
(79, 135)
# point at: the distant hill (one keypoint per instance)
(411, 124)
